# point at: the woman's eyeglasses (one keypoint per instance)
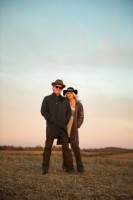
(58, 87)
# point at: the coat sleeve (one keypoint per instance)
(68, 114)
(45, 109)
(80, 116)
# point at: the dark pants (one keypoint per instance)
(77, 154)
(66, 150)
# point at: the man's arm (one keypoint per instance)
(45, 109)
(68, 111)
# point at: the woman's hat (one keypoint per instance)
(70, 89)
(58, 82)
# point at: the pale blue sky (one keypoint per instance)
(86, 43)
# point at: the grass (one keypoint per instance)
(105, 178)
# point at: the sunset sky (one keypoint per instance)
(86, 43)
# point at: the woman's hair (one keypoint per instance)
(75, 96)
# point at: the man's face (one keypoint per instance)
(57, 89)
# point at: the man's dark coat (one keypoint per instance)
(56, 116)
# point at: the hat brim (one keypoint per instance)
(74, 91)
(55, 83)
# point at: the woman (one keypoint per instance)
(75, 122)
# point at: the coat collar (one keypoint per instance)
(60, 96)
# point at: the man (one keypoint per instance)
(57, 112)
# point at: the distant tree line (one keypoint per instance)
(108, 150)
(59, 148)
(20, 148)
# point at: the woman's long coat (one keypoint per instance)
(56, 117)
(78, 120)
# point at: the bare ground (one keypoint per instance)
(105, 178)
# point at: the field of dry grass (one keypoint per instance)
(105, 178)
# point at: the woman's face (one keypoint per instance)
(70, 95)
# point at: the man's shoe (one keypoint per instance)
(81, 170)
(44, 172)
(63, 166)
(70, 171)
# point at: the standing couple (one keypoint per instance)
(63, 115)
